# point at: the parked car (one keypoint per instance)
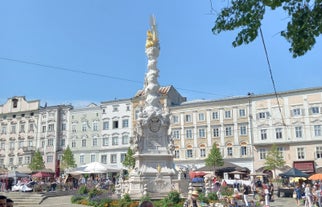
(23, 187)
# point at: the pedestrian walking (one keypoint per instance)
(298, 195)
(308, 195)
(246, 191)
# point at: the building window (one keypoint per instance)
(73, 143)
(30, 143)
(176, 154)
(50, 159)
(281, 151)
(201, 116)
(27, 159)
(105, 141)
(228, 131)
(123, 157)
(93, 158)
(12, 146)
(13, 129)
(22, 128)
(84, 127)
(317, 130)
(229, 151)
(176, 134)
(43, 143)
(189, 133)
(74, 128)
(83, 142)
(113, 158)
(125, 139)
(62, 142)
(20, 144)
(81, 159)
(189, 153)
(128, 108)
(300, 153)
(95, 126)
(115, 141)
(43, 129)
(10, 161)
(105, 125)
(215, 115)
(227, 114)
(115, 108)
(31, 127)
(263, 115)
(298, 132)
(296, 112)
(243, 129)
(51, 127)
(242, 113)
(262, 154)
(243, 151)
(315, 110)
(279, 133)
(215, 132)
(2, 146)
(188, 118)
(63, 126)
(115, 124)
(202, 152)
(20, 160)
(319, 152)
(263, 134)
(202, 133)
(104, 159)
(94, 142)
(50, 142)
(125, 123)
(4, 130)
(175, 119)
(14, 103)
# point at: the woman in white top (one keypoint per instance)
(308, 196)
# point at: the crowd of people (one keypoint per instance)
(311, 195)
(5, 202)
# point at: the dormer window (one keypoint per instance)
(14, 103)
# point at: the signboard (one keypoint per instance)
(304, 166)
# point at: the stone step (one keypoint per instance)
(24, 199)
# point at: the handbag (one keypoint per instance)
(294, 194)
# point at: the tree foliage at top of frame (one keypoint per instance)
(304, 26)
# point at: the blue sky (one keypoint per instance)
(105, 40)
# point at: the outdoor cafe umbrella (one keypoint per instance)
(293, 172)
(193, 174)
(42, 175)
(317, 176)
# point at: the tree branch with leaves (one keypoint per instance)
(274, 159)
(304, 26)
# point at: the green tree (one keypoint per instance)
(129, 160)
(214, 158)
(37, 162)
(303, 27)
(274, 159)
(67, 160)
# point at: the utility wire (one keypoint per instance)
(271, 75)
(94, 74)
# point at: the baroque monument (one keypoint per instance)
(154, 173)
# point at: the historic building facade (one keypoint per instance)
(27, 127)
(293, 122)
(197, 125)
(244, 129)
